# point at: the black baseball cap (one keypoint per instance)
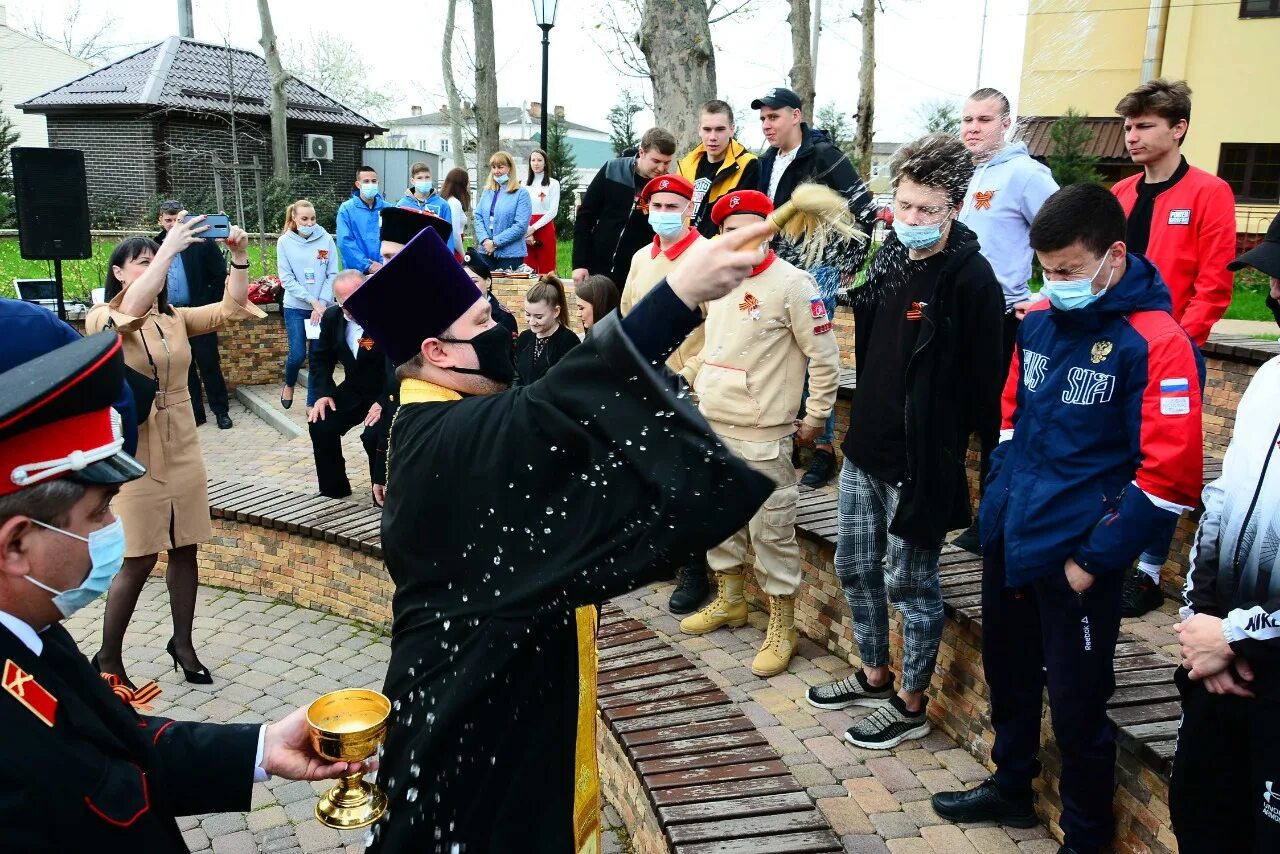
(777, 97)
(1265, 257)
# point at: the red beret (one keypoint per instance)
(667, 184)
(741, 202)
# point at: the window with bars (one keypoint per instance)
(1260, 8)
(444, 146)
(1252, 170)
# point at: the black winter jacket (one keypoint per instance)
(953, 380)
(610, 226)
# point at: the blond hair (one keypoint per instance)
(513, 180)
(288, 225)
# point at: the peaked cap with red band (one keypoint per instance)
(416, 295)
(667, 184)
(400, 225)
(741, 202)
(56, 418)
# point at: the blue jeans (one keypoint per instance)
(1157, 550)
(828, 284)
(295, 328)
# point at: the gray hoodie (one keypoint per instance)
(307, 267)
(1004, 196)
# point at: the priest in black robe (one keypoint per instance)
(508, 510)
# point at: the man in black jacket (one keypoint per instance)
(929, 373)
(366, 396)
(198, 278)
(611, 226)
(86, 772)
(797, 155)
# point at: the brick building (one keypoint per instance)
(151, 125)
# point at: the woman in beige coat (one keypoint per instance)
(168, 508)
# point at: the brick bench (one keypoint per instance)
(689, 772)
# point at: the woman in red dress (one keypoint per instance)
(544, 194)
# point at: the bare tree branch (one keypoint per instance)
(715, 19)
(96, 45)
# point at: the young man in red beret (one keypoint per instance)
(748, 380)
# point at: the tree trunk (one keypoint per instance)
(675, 38)
(279, 105)
(866, 89)
(802, 76)
(486, 85)
(451, 90)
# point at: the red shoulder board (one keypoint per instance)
(24, 688)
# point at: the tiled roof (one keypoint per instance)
(185, 74)
(1107, 141)
(506, 116)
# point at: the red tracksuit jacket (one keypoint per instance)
(1193, 236)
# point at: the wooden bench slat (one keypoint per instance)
(1143, 694)
(722, 773)
(1157, 731)
(684, 716)
(1152, 713)
(706, 744)
(769, 826)
(738, 781)
(1154, 676)
(619, 627)
(804, 842)
(610, 641)
(665, 692)
(657, 680)
(634, 648)
(649, 657)
(686, 731)
(713, 759)
(704, 811)
(642, 670)
(1141, 662)
(712, 697)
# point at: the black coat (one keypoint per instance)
(504, 513)
(368, 378)
(206, 270)
(104, 778)
(557, 347)
(953, 380)
(610, 226)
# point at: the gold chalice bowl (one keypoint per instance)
(348, 726)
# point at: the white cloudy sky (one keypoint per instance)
(926, 49)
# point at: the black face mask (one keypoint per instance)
(493, 350)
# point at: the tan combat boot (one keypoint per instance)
(780, 638)
(727, 609)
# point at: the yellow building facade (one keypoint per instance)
(1087, 54)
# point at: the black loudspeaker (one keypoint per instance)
(53, 208)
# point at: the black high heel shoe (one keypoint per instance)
(195, 677)
(124, 680)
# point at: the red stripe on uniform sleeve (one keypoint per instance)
(1172, 445)
(1009, 397)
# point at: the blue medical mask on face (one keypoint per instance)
(1072, 294)
(306, 230)
(423, 187)
(917, 236)
(666, 223)
(369, 191)
(501, 179)
(106, 551)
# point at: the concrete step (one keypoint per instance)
(264, 402)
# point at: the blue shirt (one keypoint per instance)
(179, 288)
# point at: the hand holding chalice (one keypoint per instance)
(347, 726)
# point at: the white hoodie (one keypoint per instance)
(1005, 194)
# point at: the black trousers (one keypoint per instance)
(326, 446)
(1047, 634)
(204, 356)
(1224, 794)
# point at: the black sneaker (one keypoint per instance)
(692, 590)
(821, 468)
(889, 726)
(986, 803)
(969, 540)
(853, 690)
(224, 421)
(1140, 595)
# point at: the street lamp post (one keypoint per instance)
(544, 12)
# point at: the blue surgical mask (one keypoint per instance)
(917, 236)
(369, 191)
(106, 551)
(666, 223)
(501, 179)
(423, 187)
(306, 230)
(1071, 294)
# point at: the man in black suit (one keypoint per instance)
(198, 278)
(366, 395)
(85, 771)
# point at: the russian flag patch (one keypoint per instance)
(1175, 396)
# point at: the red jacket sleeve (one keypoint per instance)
(1212, 289)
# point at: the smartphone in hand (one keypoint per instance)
(219, 226)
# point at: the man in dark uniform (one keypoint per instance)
(199, 277)
(85, 772)
(506, 510)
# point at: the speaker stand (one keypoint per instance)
(57, 277)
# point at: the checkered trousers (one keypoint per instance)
(874, 565)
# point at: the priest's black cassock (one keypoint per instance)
(505, 513)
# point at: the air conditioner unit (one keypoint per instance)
(316, 146)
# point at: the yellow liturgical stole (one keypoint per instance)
(420, 391)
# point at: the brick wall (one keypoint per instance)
(620, 786)
(120, 160)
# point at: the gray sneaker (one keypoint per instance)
(853, 690)
(888, 726)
